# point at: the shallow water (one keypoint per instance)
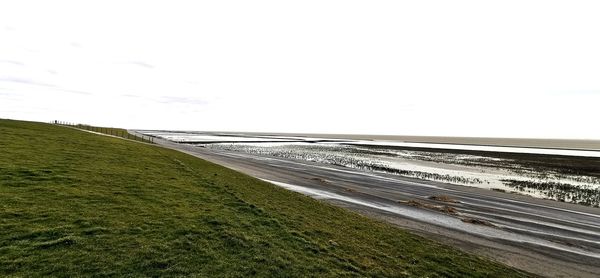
(484, 148)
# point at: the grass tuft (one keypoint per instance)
(60, 242)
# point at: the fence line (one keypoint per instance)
(117, 132)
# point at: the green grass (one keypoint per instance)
(79, 204)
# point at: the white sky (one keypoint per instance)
(457, 68)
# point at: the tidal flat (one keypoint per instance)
(570, 177)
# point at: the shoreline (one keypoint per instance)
(535, 143)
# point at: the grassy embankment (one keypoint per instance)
(74, 203)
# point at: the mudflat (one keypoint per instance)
(568, 144)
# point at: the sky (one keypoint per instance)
(443, 68)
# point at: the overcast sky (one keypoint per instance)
(454, 68)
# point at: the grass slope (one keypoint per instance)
(74, 203)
